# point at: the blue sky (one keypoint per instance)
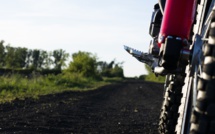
(101, 27)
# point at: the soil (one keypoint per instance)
(128, 107)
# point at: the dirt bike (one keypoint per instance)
(183, 50)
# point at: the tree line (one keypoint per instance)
(24, 58)
(84, 63)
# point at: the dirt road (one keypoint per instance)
(129, 107)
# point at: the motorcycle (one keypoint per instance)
(183, 50)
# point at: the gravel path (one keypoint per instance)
(128, 107)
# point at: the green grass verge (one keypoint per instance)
(152, 78)
(19, 87)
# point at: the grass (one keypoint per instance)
(153, 78)
(19, 87)
(159, 79)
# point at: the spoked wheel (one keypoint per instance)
(203, 117)
(185, 108)
(197, 110)
(171, 103)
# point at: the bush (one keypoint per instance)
(84, 64)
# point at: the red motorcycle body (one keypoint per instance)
(177, 19)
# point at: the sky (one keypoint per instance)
(101, 27)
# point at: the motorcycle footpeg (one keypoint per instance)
(142, 57)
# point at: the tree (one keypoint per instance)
(111, 69)
(47, 61)
(35, 58)
(103, 68)
(10, 57)
(60, 57)
(84, 63)
(13, 57)
(20, 57)
(117, 71)
(41, 59)
(28, 59)
(2, 54)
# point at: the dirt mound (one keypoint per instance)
(128, 107)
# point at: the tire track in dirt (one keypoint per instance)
(128, 107)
